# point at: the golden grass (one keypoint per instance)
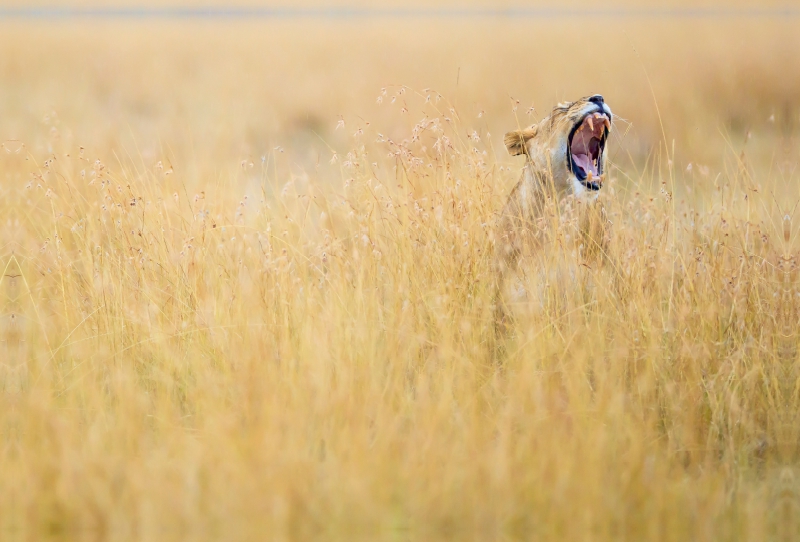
(224, 316)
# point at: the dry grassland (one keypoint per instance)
(240, 295)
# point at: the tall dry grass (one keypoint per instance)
(290, 329)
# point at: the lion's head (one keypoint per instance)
(568, 146)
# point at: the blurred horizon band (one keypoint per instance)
(245, 12)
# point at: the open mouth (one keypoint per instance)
(586, 144)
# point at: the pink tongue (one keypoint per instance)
(584, 161)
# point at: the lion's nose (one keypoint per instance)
(597, 99)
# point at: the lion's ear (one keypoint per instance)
(516, 141)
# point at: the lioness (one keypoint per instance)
(565, 158)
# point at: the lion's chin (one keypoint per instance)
(586, 186)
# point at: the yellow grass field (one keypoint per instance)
(248, 289)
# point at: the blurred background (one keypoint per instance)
(318, 357)
(203, 84)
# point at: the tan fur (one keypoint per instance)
(516, 141)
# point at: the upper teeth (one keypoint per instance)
(591, 118)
